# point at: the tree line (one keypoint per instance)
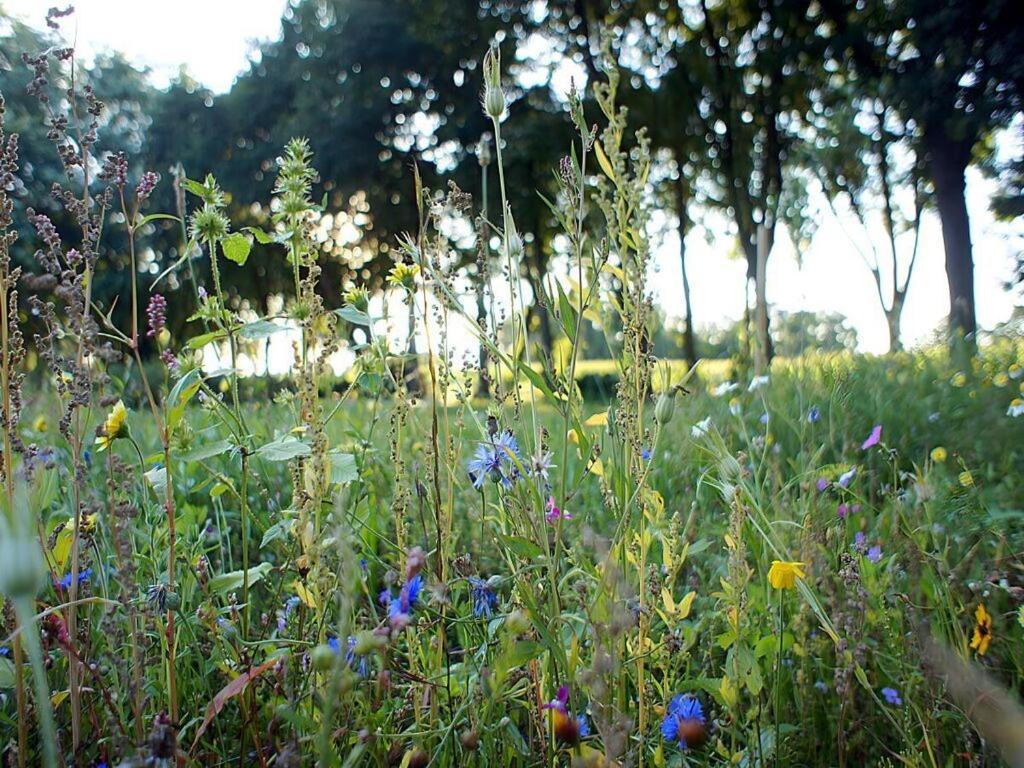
(751, 106)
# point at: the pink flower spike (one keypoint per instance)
(873, 439)
(554, 513)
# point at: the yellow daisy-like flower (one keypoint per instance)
(982, 630)
(40, 424)
(966, 479)
(114, 427)
(938, 454)
(959, 379)
(1000, 379)
(783, 575)
(404, 276)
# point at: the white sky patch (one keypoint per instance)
(213, 39)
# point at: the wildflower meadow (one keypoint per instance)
(446, 559)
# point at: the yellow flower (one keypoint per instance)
(959, 379)
(938, 454)
(1020, 616)
(982, 630)
(966, 479)
(783, 575)
(1000, 379)
(114, 427)
(404, 276)
(40, 425)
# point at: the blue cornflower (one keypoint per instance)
(499, 459)
(484, 598)
(360, 661)
(83, 577)
(5, 652)
(400, 607)
(645, 454)
(892, 696)
(289, 608)
(813, 415)
(684, 721)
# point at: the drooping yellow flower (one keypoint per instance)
(114, 427)
(966, 478)
(938, 454)
(982, 630)
(783, 575)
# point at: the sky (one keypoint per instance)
(213, 39)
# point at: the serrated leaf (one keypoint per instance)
(236, 247)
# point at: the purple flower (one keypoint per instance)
(873, 439)
(483, 596)
(83, 577)
(875, 553)
(146, 185)
(847, 477)
(842, 511)
(822, 484)
(567, 728)
(156, 312)
(892, 696)
(553, 514)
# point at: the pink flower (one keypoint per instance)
(873, 439)
(554, 514)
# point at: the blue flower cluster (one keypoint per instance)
(498, 458)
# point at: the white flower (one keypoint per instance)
(757, 382)
(735, 407)
(1016, 408)
(725, 388)
(701, 428)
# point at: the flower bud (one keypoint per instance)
(494, 96)
(322, 657)
(665, 408)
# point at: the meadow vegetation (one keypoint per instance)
(817, 563)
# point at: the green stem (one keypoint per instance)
(26, 619)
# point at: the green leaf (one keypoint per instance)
(354, 316)
(603, 161)
(262, 237)
(285, 448)
(535, 378)
(183, 391)
(157, 477)
(234, 580)
(259, 329)
(236, 247)
(277, 531)
(155, 217)
(207, 451)
(6, 674)
(524, 547)
(343, 468)
(200, 341)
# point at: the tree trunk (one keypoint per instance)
(947, 161)
(682, 198)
